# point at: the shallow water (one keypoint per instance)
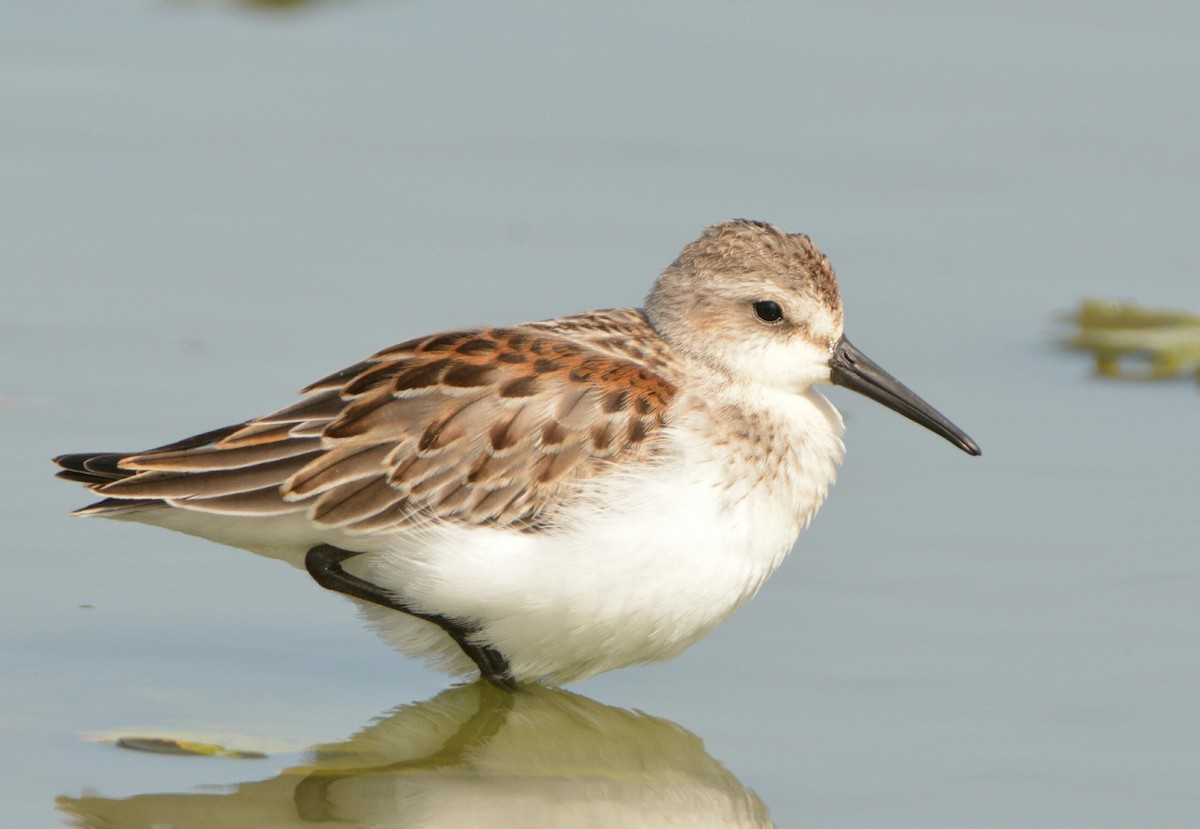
(207, 207)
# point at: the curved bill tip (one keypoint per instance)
(851, 369)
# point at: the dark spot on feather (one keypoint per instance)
(477, 469)
(553, 467)
(512, 357)
(490, 472)
(546, 365)
(521, 387)
(430, 436)
(602, 436)
(642, 405)
(553, 435)
(343, 429)
(577, 376)
(444, 342)
(615, 401)
(636, 432)
(421, 377)
(399, 472)
(517, 341)
(369, 379)
(501, 436)
(352, 422)
(541, 471)
(478, 346)
(468, 375)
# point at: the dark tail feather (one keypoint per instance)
(116, 506)
(99, 468)
(95, 469)
(92, 468)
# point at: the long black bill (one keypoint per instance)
(854, 370)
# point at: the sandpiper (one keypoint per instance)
(550, 500)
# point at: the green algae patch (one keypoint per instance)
(1134, 343)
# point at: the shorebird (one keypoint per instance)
(550, 500)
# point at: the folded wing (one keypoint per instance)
(479, 427)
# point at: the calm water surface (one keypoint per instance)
(205, 208)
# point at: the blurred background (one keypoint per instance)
(204, 206)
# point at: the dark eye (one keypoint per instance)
(768, 311)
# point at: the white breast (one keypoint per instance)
(651, 560)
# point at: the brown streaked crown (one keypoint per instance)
(731, 265)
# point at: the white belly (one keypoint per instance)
(652, 562)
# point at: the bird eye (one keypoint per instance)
(768, 311)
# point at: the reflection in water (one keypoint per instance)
(474, 756)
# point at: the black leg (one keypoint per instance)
(324, 564)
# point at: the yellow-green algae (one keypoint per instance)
(1134, 343)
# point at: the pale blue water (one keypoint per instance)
(204, 208)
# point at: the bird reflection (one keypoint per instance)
(473, 756)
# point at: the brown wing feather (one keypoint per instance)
(478, 427)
